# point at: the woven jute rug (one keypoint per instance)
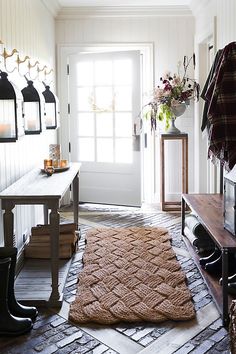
(130, 274)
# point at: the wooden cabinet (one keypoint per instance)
(209, 210)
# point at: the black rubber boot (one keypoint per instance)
(216, 254)
(231, 279)
(232, 288)
(231, 269)
(214, 267)
(15, 307)
(9, 324)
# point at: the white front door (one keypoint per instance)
(104, 96)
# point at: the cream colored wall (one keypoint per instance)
(216, 19)
(27, 26)
(225, 24)
(172, 37)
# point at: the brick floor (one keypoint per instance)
(52, 333)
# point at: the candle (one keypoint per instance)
(5, 130)
(55, 163)
(49, 121)
(31, 124)
(47, 163)
(63, 163)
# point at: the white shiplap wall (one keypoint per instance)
(27, 26)
(226, 28)
(217, 19)
(172, 37)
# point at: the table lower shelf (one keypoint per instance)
(33, 285)
(212, 282)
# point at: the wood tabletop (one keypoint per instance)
(209, 210)
(37, 184)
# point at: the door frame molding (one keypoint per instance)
(202, 183)
(147, 76)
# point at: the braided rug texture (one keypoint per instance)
(130, 274)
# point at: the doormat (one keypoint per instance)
(130, 275)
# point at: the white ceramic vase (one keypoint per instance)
(177, 110)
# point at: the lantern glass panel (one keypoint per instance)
(7, 119)
(20, 122)
(50, 111)
(57, 111)
(229, 206)
(31, 114)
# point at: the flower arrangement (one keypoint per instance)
(175, 92)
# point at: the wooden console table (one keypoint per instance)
(173, 205)
(209, 210)
(37, 188)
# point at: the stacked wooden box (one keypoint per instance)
(39, 244)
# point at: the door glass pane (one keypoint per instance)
(84, 95)
(103, 72)
(123, 124)
(123, 98)
(86, 124)
(104, 150)
(84, 73)
(104, 124)
(103, 98)
(124, 151)
(86, 149)
(123, 72)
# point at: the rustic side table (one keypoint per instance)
(35, 188)
(173, 205)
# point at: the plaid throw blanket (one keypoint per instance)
(221, 95)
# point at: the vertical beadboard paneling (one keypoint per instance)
(27, 26)
(206, 11)
(226, 29)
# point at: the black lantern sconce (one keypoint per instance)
(11, 119)
(32, 109)
(230, 201)
(52, 113)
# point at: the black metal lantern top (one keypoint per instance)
(32, 109)
(11, 123)
(30, 93)
(51, 108)
(48, 95)
(7, 91)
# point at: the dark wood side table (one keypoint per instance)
(183, 138)
(209, 210)
(37, 188)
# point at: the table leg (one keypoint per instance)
(225, 286)
(185, 165)
(162, 173)
(45, 214)
(55, 232)
(183, 215)
(8, 224)
(76, 200)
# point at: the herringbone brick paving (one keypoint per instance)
(53, 333)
